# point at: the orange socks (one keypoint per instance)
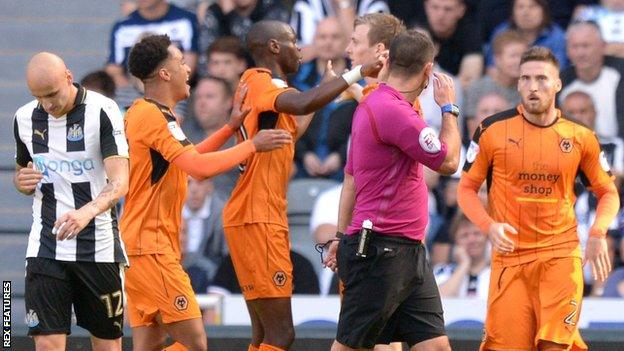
(175, 347)
(267, 347)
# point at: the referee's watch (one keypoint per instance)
(451, 108)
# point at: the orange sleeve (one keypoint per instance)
(608, 207)
(216, 140)
(468, 201)
(209, 164)
(477, 165)
(264, 90)
(162, 135)
(595, 169)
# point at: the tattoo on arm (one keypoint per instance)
(107, 198)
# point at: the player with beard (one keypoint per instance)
(530, 157)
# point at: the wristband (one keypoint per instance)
(451, 108)
(353, 76)
(339, 235)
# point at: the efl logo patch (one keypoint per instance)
(566, 145)
(176, 131)
(279, 83)
(279, 278)
(473, 151)
(604, 163)
(428, 139)
(180, 303)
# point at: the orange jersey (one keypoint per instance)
(530, 172)
(260, 193)
(152, 212)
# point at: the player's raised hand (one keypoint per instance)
(597, 254)
(271, 139)
(27, 178)
(329, 72)
(443, 89)
(237, 116)
(372, 69)
(500, 241)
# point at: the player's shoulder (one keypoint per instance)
(94, 98)
(262, 76)
(499, 118)
(145, 112)
(581, 133)
(25, 111)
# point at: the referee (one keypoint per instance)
(389, 290)
(72, 155)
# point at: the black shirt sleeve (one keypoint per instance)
(22, 156)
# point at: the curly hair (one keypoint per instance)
(147, 55)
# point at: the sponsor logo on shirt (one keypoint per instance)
(429, 141)
(73, 166)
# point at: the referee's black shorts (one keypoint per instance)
(94, 289)
(391, 295)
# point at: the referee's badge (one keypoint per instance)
(428, 139)
(75, 133)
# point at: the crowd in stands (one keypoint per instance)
(479, 42)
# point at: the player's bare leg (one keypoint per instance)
(54, 342)
(441, 343)
(257, 330)
(544, 345)
(276, 317)
(190, 333)
(148, 338)
(98, 344)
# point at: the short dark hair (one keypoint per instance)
(383, 27)
(227, 88)
(541, 54)
(504, 38)
(228, 45)
(458, 221)
(101, 82)
(546, 20)
(147, 55)
(410, 52)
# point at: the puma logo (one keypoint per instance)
(40, 133)
(514, 141)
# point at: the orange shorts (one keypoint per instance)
(157, 284)
(539, 300)
(261, 257)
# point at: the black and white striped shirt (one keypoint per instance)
(70, 152)
(306, 15)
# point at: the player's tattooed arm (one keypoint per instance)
(73, 222)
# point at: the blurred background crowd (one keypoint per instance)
(479, 42)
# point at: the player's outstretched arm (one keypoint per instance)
(304, 102)
(345, 213)
(596, 250)
(73, 222)
(201, 166)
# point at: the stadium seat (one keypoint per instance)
(301, 196)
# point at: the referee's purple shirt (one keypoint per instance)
(386, 160)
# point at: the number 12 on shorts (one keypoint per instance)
(108, 300)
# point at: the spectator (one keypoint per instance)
(321, 151)
(459, 44)
(211, 105)
(469, 274)
(614, 286)
(532, 19)
(597, 75)
(508, 47)
(205, 242)
(609, 16)
(307, 15)
(157, 16)
(323, 228)
(101, 82)
(487, 106)
(235, 17)
(227, 59)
